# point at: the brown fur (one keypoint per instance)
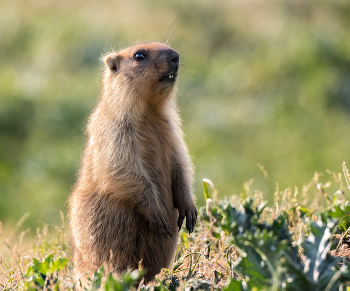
(135, 184)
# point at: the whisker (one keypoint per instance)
(167, 41)
(170, 22)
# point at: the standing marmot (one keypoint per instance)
(135, 184)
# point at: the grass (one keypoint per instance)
(238, 244)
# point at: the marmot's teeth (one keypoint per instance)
(171, 76)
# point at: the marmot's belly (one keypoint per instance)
(125, 237)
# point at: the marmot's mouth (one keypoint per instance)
(170, 78)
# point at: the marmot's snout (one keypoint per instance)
(168, 63)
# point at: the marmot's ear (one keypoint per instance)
(112, 61)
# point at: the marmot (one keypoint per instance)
(135, 183)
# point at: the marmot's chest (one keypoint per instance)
(157, 151)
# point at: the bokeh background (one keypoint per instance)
(262, 83)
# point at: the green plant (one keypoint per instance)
(244, 247)
(341, 213)
(269, 259)
(43, 274)
(127, 281)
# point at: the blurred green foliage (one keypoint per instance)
(262, 83)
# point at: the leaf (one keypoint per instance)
(233, 285)
(128, 281)
(97, 278)
(205, 190)
(255, 273)
(295, 279)
(178, 263)
(58, 265)
(184, 239)
(39, 271)
(318, 261)
(262, 257)
(306, 211)
(342, 214)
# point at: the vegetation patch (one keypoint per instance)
(238, 244)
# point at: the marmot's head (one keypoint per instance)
(148, 70)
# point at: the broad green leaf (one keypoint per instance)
(58, 265)
(233, 285)
(318, 261)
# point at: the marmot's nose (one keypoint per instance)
(174, 57)
(168, 60)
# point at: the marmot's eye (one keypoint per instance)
(139, 56)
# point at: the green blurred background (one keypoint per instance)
(262, 82)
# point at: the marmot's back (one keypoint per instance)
(135, 184)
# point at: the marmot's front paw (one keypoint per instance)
(191, 217)
(160, 224)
